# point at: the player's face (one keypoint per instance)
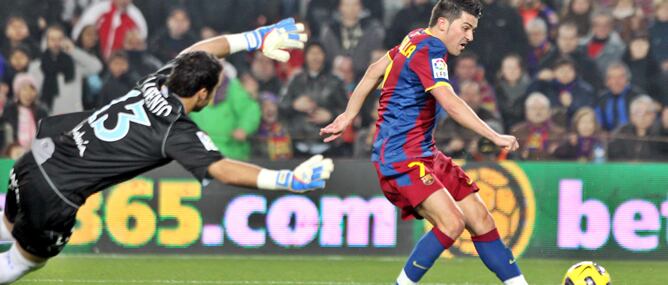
(460, 33)
(204, 97)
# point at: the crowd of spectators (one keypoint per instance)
(579, 80)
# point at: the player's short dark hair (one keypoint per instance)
(192, 72)
(452, 10)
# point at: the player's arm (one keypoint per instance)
(372, 78)
(311, 174)
(463, 114)
(272, 40)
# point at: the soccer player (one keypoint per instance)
(413, 174)
(146, 128)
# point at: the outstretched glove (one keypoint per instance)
(310, 175)
(274, 39)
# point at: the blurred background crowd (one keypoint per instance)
(579, 80)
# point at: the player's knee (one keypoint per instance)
(452, 227)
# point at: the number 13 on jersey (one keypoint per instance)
(123, 120)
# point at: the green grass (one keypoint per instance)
(300, 270)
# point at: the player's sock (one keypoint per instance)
(498, 258)
(5, 234)
(425, 253)
(13, 265)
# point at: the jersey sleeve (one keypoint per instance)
(191, 147)
(392, 52)
(428, 62)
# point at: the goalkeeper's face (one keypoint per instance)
(205, 97)
(459, 33)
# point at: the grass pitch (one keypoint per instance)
(308, 270)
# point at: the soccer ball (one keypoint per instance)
(586, 273)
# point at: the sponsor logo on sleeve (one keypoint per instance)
(206, 141)
(440, 68)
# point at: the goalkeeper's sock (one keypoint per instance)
(5, 234)
(498, 258)
(13, 265)
(425, 253)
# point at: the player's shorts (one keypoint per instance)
(408, 183)
(43, 222)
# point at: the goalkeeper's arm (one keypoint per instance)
(272, 40)
(310, 175)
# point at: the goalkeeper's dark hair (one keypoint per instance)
(452, 10)
(193, 71)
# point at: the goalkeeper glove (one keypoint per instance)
(272, 40)
(310, 175)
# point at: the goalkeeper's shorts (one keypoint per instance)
(43, 222)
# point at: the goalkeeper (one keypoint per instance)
(79, 154)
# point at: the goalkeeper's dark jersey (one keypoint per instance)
(142, 130)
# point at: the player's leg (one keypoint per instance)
(5, 228)
(441, 210)
(494, 254)
(15, 262)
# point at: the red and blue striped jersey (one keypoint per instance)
(407, 110)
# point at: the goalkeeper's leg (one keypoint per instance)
(16, 263)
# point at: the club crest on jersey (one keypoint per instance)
(427, 179)
(440, 68)
(206, 141)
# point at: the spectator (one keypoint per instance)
(540, 45)
(17, 34)
(579, 12)
(612, 110)
(584, 140)
(272, 140)
(62, 69)
(118, 80)
(19, 61)
(458, 141)
(467, 68)
(231, 119)
(353, 34)
(646, 72)
(343, 69)
(113, 19)
(92, 83)
(604, 46)
(263, 70)
(566, 91)
(365, 136)
(413, 16)
(141, 61)
(21, 115)
(169, 41)
(318, 14)
(311, 99)
(567, 46)
(658, 33)
(538, 136)
(637, 140)
(498, 19)
(664, 133)
(534, 9)
(511, 85)
(628, 19)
